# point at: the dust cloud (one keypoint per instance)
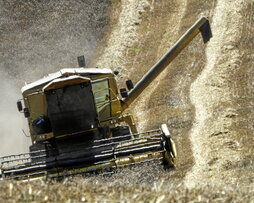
(11, 122)
(36, 38)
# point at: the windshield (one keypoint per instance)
(71, 109)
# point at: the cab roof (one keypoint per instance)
(66, 72)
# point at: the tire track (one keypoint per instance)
(216, 148)
(145, 117)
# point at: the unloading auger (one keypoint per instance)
(77, 122)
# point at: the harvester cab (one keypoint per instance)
(74, 102)
(77, 122)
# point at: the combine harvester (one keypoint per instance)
(77, 124)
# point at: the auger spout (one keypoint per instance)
(202, 25)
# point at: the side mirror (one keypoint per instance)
(129, 84)
(81, 61)
(26, 112)
(116, 72)
(124, 92)
(107, 97)
(19, 105)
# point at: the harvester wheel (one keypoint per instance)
(120, 131)
(36, 150)
(41, 151)
(37, 147)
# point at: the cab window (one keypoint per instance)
(102, 98)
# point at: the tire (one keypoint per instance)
(120, 131)
(36, 150)
(41, 151)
